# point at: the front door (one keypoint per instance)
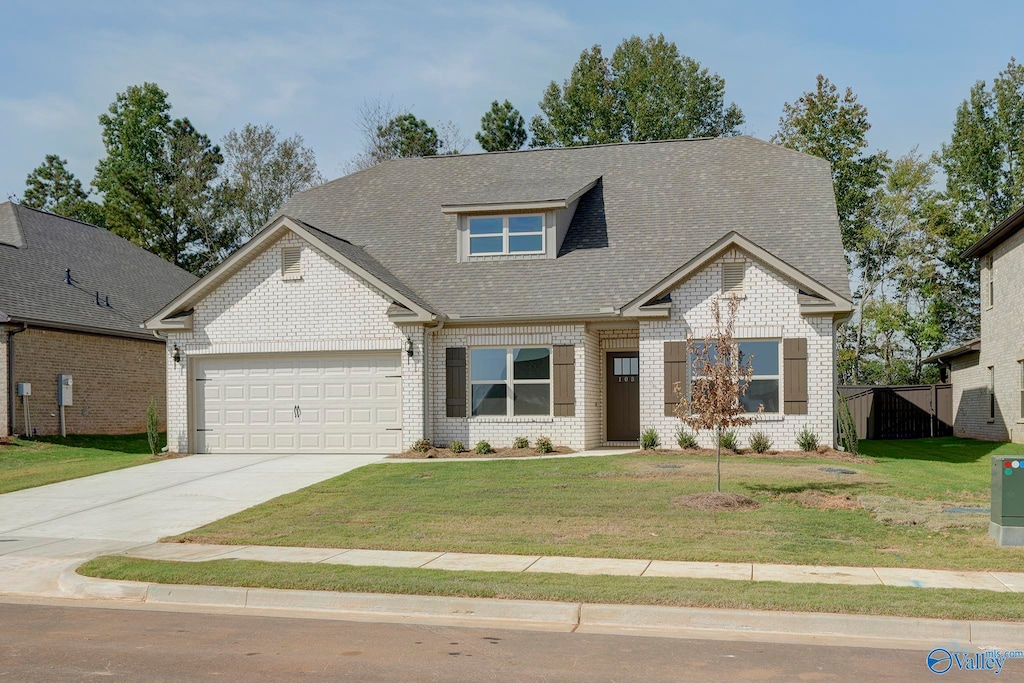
(623, 396)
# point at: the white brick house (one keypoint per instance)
(536, 293)
(988, 373)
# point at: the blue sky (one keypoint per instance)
(307, 67)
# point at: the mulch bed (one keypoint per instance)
(822, 453)
(445, 453)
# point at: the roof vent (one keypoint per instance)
(291, 263)
(732, 277)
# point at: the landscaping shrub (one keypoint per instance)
(421, 446)
(729, 440)
(807, 440)
(457, 447)
(649, 439)
(483, 448)
(544, 445)
(685, 439)
(521, 442)
(759, 442)
(847, 428)
(153, 428)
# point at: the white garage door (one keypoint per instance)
(343, 403)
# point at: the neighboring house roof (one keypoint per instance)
(654, 207)
(35, 249)
(994, 237)
(973, 346)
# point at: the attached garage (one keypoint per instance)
(287, 403)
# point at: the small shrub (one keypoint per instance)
(649, 439)
(457, 447)
(807, 440)
(483, 448)
(153, 428)
(685, 439)
(729, 440)
(759, 442)
(421, 446)
(521, 442)
(544, 445)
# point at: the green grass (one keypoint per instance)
(25, 463)
(623, 506)
(880, 600)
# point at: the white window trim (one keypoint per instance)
(778, 342)
(510, 383)
(990, 285)
(1020, 398)
(505, 234)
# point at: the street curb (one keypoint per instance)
(646, 620)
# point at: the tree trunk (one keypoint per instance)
(718, 459)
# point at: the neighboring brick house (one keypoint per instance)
(988, 373)
(489, 296)
(73, 298)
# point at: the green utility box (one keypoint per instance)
(1007, 525)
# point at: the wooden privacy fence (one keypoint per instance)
(908, 412)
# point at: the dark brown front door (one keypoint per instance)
(623, 396)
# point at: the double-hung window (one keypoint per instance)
(763, 358)
(512, 380)
(503, 235)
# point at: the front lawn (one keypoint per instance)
(938, 603)
(627, 507)
(25, 463)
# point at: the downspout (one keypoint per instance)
(11, 403)
(428, 423)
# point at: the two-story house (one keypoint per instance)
(988, 373)
(488, 296)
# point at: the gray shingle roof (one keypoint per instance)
(656, 206)
(32, 285)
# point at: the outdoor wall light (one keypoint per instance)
(177, 354)
(408, 346)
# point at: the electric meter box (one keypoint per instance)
(24, 388)
(1007, 525)
(64, 395)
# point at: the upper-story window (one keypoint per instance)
(498, 235)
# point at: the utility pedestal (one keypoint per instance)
(1007, 525)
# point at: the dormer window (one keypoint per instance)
(501, 235)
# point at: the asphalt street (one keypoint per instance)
(61, 643)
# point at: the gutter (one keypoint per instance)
(10, 377)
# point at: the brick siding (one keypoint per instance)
(114, 381)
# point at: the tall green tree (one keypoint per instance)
(646, 91)
(502, 128)
(834, 126)
(52, 187)
(158, 180)
(261, 171)
(984, 166)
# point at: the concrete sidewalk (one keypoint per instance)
(863, 576)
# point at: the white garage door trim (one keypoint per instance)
(297, 403)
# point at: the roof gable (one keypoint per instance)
(175, 315)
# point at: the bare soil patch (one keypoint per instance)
(446, 453)
(820, 500)
(926, 513)
(717, 501)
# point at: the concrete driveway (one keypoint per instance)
(45, 529)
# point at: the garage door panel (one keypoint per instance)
(348, 403)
